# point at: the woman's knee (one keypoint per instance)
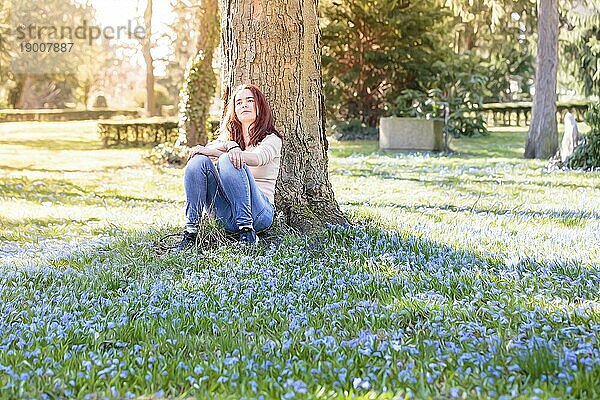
(226, 167)
(198, 163)
(224, 161)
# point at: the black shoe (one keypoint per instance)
(248, 235)
(188, 241)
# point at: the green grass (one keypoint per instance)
(474, 275)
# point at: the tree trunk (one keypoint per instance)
(146, 46)
(542, 141)
(26, 93)
(200, 81)
(275, 45)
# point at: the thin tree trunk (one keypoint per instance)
(275, 45)
(146, 46)
(542, 141)
(200, 80)
(25, 94)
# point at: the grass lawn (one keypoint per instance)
(470, 276)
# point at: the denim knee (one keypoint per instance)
(226, 167)
(224, 161)
(198, 163)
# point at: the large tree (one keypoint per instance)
(38, 79)
(372, 51)
(580, 50)
(498, 34)
(275, 45)
(542, 141)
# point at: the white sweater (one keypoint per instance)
(269, 158)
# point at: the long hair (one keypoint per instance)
(260, 128)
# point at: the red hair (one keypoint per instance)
(259, 129)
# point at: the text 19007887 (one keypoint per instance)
(45, 47)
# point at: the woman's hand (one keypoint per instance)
(236, 157)
(196, 150)
(207, 151)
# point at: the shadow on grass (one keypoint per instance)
(504, 144)
(55, 190)
(352, 246)
(336, 254)
(50, 144)
(498, 144)
(442, 180)
(8, 223)
(58, 169)
(112, 168)
(565, 217)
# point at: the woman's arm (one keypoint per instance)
(239, 157)
(265, 152)
(205, 150)
(218, 145)
(250, 158)
(262, 154)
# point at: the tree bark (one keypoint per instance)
(146, 47)
(542, 141)
(275, 45)
(27, 90)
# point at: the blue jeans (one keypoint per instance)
(231, 193)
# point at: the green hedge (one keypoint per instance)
(142, 132)
(138, 132)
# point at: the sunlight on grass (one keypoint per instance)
(74, 179)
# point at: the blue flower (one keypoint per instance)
(361, 383)
(299, 386)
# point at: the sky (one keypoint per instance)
(119, 12)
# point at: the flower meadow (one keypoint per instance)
(470, 276)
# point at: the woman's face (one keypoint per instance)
(245, 107)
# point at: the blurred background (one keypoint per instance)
(379, 58)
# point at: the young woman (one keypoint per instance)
(239, 190)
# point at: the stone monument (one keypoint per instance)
(570, 137)
(411, 134)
